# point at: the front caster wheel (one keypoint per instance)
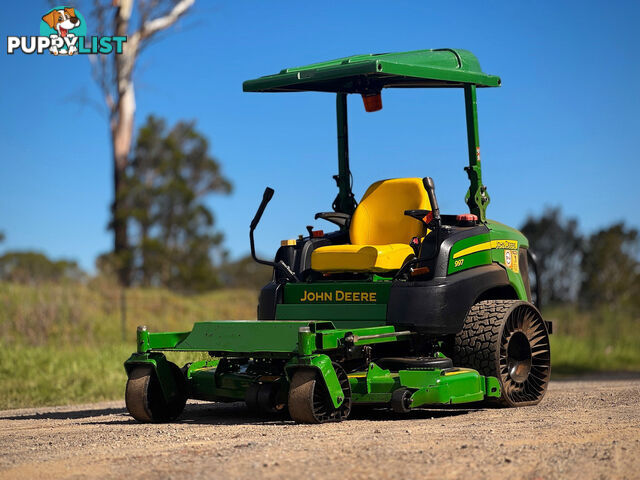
(266, 398)
(145, 401)
(309, 400)
(401, 400)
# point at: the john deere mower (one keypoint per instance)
(399, 306)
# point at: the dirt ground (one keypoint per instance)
(584, 429)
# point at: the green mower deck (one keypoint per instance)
(303, 349)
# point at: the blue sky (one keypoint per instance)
(562, 129)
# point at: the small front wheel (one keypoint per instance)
(309, 400)
(401, 400)
(145, 400)
(265, 398)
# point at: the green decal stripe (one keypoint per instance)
(472, 260)
(472, 249)
(469, 242)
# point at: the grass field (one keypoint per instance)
(64, 344)
(599, 340)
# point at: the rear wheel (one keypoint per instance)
(507, 339)
(145, 400)
(309, 400)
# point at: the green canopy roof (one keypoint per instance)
(445, 67)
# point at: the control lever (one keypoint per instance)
(431, 193)
(280, 265)
(435, 223)
(430, 219)
(266, 198)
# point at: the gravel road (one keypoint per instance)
(583, 429)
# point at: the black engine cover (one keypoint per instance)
(439, 306)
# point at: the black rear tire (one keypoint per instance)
(507, 339)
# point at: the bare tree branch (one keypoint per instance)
(161, 23)
(83, 98)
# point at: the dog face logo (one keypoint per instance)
(63, 25)
(62, 20)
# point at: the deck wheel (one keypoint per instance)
(309, 400)
(251, 397)
(144, 399)
(401, 400)
(270, 399)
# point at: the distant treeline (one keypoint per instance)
(599, 269)
(35, 268)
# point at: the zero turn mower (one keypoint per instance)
(400, 307)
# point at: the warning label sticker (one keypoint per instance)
(511, 260)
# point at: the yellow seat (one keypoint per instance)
(380, 232)
(360, 258)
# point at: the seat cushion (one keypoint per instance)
(380, 219)
(360, 258)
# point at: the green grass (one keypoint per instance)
(570, 356)
(599, 340)
(51, 375)
(89, 315)
(62, 344)
(33, 376)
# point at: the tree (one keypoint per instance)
(168, 178)
(36, 268)
(558, 247)
(114, 75)
(611, 268)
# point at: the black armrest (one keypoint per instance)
(340, 219)
(418, 214)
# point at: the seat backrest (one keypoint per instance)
(379, 219)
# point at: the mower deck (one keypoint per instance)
(256, 360)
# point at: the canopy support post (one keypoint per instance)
(344, 202)
(477, 197)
